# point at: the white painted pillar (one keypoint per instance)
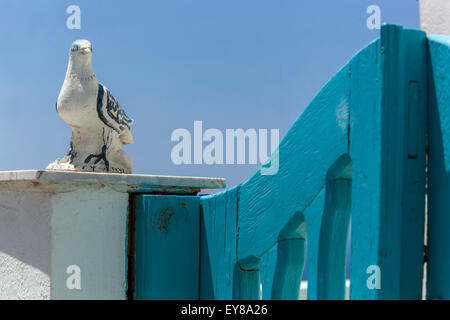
(54, 222)
(435, 16)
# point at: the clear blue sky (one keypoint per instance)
(232, 64)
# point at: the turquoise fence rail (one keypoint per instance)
(438, 246)
(354, 162)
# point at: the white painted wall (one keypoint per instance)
(52, 226)
(25, 244)
(89, 227)
(435, 16)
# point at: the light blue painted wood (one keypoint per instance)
(364, 132)
(218, 244)
(438, 247)
(334, 233)
(289, 269)
(247, 280)
(167, 247)
(313, 216)
(268, 203)
(388, 153)
(357, 152)
(267, 267)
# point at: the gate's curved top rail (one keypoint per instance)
(358, 147)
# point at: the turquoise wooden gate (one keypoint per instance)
(365, 155)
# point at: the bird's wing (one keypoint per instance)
(110, 112)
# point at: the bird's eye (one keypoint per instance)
(74, 48)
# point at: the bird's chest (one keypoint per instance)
(77, 101)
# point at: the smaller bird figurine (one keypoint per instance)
(99, 125)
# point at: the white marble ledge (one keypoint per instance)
(128, 182)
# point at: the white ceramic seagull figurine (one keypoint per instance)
(99, 125)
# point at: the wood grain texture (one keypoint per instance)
(356, 153)
(267, 202)
(388, 153)
(333, 240)
(167, 247)
(438, 249)
(306, 156)
(218, 244)
(359, 147)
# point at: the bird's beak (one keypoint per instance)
(86, 50)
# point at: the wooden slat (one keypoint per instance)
(358, 148)
(268, 203)
(388, 153)
(438, 248)
(247, 280)
(218, 244)
(333, 240)
(167, 247)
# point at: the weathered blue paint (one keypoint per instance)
(246, 281)
(167, 247)
(438, 248)
(388, 154)
(269, 204)
(334, 231)
(359, 147)
(356, 153)
(127, 246)
(290, 259)
(218, 244)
